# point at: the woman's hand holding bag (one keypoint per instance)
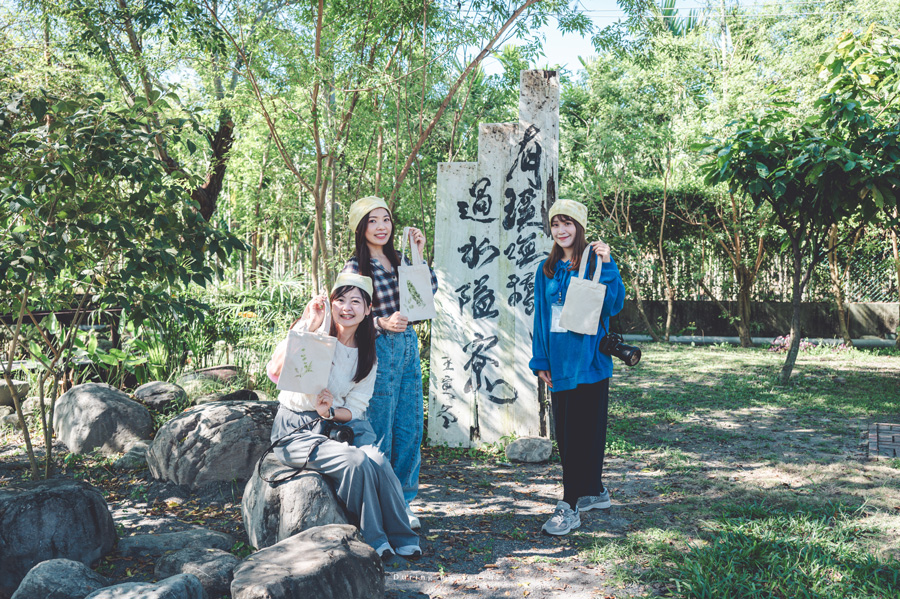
(416, 296)
(308, 357)
(584, 299)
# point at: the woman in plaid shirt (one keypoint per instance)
(396, 409)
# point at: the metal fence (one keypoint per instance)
(872, 277)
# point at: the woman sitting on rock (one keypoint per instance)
(362, 477)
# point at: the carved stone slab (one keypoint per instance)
(491, 234)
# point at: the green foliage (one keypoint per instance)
(241, 550)
(838, 164)
(93, 219)
(92, 212)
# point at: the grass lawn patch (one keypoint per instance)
(742, 487)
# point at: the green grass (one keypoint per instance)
(764, 553)
(672, 383)
(744, 503)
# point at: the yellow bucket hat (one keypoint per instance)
(355, 280)
(361, 207)
(570, 208)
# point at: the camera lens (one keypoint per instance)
(341, 433)
(629, 354)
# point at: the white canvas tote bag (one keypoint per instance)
(416, 296)
(584, 300)
(307, 358)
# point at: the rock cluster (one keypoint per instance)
(53, 531)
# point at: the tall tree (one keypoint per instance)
(821, 171)
(380, 52)
(138, 44)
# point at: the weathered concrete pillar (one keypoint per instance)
(490, 236)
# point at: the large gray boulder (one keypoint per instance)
(160, 395)
(213, 567)
(225, 374)
(212, 443)
(273, 513)
(135, 458)
(207, 380)
(97, 416)
(21, 388)
(60, 579)
(51, 519)
(182, 586)
(32, 405)
(155, 545)
(532, 450)
(11, 420)
(327, 562)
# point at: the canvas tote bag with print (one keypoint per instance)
(308, 357)
(584, 300)
(416, 296)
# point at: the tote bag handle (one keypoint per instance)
(585, 259)
(324, 329)
(414, 256)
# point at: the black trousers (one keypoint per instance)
(580, 417)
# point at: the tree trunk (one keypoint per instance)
(640, 306)
(254, 238)
(896, 248)
(791, 358)
(834, 272)
(7, 376)
(843, 317)
(329, 214)
(379, 158)
(743, 308)
(741, 322)
(670, 292)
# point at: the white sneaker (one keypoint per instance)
(563, 520)
(414, 522)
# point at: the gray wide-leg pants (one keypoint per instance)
(362, 477)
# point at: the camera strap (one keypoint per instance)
(604, 325)
(297, 471)
(606, 331)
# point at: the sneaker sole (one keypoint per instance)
(603, 505)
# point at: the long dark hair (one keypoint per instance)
(364, 257)
(364, 336)
(557, 253)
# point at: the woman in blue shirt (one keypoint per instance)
(572, 366)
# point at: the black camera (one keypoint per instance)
(338, 432)
(614, 345)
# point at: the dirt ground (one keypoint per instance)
(481, 533)
(481, 517)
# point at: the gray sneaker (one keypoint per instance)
(590, 502)
(562, 521)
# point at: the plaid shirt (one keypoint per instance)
(387, 287)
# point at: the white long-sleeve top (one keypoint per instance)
(347, 393)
